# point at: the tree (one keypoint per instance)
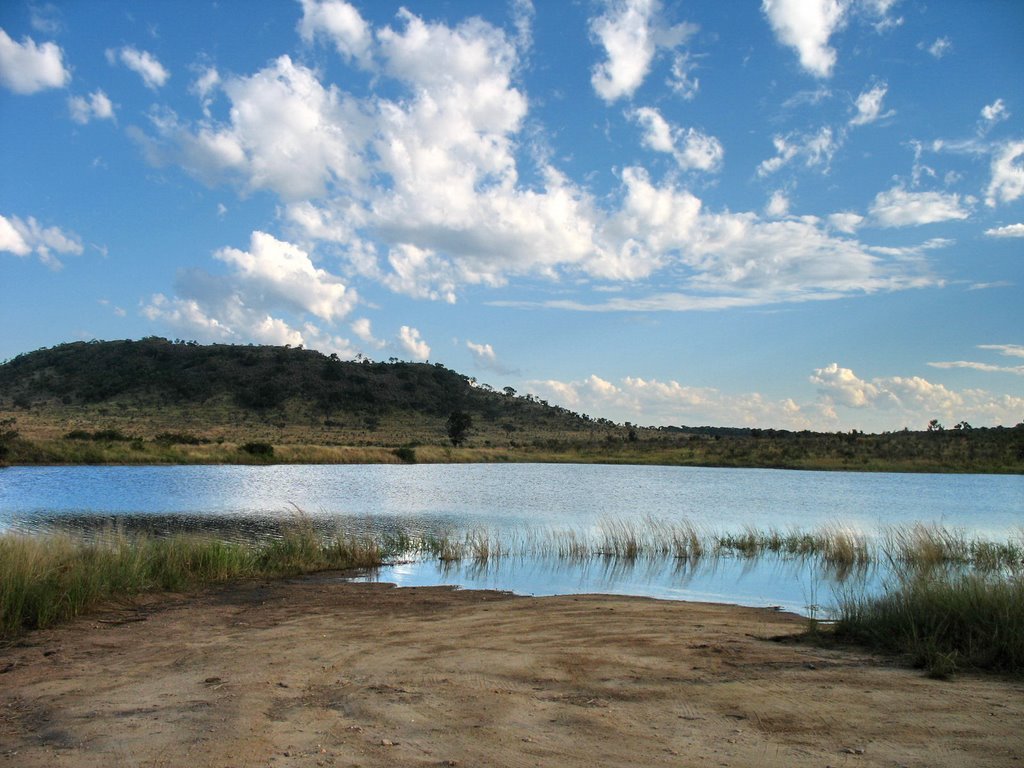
(459, 424)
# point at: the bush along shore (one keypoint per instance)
(951, 602)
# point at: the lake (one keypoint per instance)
(247, 501)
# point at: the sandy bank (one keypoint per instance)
(319, 672)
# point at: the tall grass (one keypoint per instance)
(48, 579)
(944, 622)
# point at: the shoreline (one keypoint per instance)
(318, 670)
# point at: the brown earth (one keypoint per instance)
(320, 672)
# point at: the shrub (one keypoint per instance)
(406, 454)
(258, 449)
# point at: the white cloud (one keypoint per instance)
(28, 68)
(523, 14)
(1007, 182)
(778, 205)
(1010, 230)
(363, 329)
(869, 106)
(204, 86)
(485, 356)
(280, 272)
(142, 63)
(227, 318)
(287, 134)
(682, 81)
(25, 236)
(816, 150)
(422, 190)
(914, 400)
(986, 367)
(631, 32)
(45, 18)
(845, 221)
(1005, 350)
(807, 25)
(413, 345)
(1008, 350)
(97, 106)
(664, 403)
(245, 305)
(899, 208)
(691, 149)
(995, 112)
(940, 47)
(339, 22)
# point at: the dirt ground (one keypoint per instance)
(321, 672)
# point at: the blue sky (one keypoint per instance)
(793, 214)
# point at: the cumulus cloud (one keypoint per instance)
(420, 187)
(664, 403)
(341, 24)
(287, 134)
(26, 67)
(691, 149)
(913, 399)
(363, 329)
(778, 205)
(806, 26)
(23, 237)
(485, 357)
(227, 318)
(899, 208)
(1007, 183)
(869, 106)
(1010, 230)
(142, 63)
(845, 221)
(413, 345)
(283, 273)
(631, 33)
(271, 277)
(96, 107)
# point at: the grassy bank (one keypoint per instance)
(45, 580)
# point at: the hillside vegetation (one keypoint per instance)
(158, 401)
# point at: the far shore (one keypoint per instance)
(59, 452)
(321, 671)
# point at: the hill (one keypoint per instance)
(158, 401)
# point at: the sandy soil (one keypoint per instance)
(319, 672)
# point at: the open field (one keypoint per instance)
(316, 671)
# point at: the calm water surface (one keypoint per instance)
(244, 501)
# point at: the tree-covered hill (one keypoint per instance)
(272, 383)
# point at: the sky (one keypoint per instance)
(796, 214)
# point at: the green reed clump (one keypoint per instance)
(943, 621)
(48, 579)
